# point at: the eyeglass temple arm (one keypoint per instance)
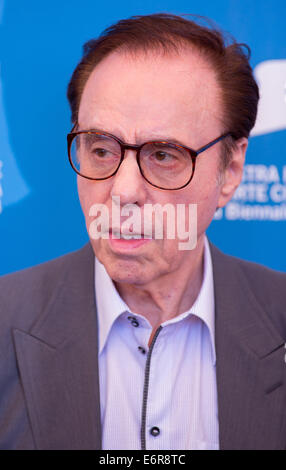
(205, 147)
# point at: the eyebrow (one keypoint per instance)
(154, 138)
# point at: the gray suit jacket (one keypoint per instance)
(49, 386)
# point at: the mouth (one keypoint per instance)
(117, 234)
(126, 242)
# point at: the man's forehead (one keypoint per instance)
(141, 136)
(153, 87)
(186, 65)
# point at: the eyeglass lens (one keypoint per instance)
(98, 156)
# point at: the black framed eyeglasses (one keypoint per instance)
(97, 155)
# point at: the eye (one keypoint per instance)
(164, 156)
(160, 155)
(100, 152)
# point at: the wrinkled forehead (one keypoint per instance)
(135, 89)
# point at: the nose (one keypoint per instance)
(128, 183)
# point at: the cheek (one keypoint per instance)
(205, 187)
(91, 192)
(207, 204)
(205, 196)
(82, 193)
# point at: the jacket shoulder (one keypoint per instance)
(24, 294)
(267, 285)
(268, 282)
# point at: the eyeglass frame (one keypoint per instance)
(137, 147)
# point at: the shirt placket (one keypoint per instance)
(151, 432)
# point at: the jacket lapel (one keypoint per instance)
(250, 363)
(58, 362)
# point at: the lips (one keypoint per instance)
(116, 233)
(127, 243)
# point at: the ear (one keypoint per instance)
(233, 173)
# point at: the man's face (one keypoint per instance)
(154, 97)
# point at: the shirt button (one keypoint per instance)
(155, 431)
(134, 322)
(142, 349)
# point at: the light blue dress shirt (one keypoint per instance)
(163, 397)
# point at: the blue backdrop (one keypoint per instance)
(40, 216)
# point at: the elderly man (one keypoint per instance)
(132, 342)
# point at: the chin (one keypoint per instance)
(130, 272)
(121, 269)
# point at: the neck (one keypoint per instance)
(171, 294)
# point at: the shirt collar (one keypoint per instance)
(204, 305)
(110, 305)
